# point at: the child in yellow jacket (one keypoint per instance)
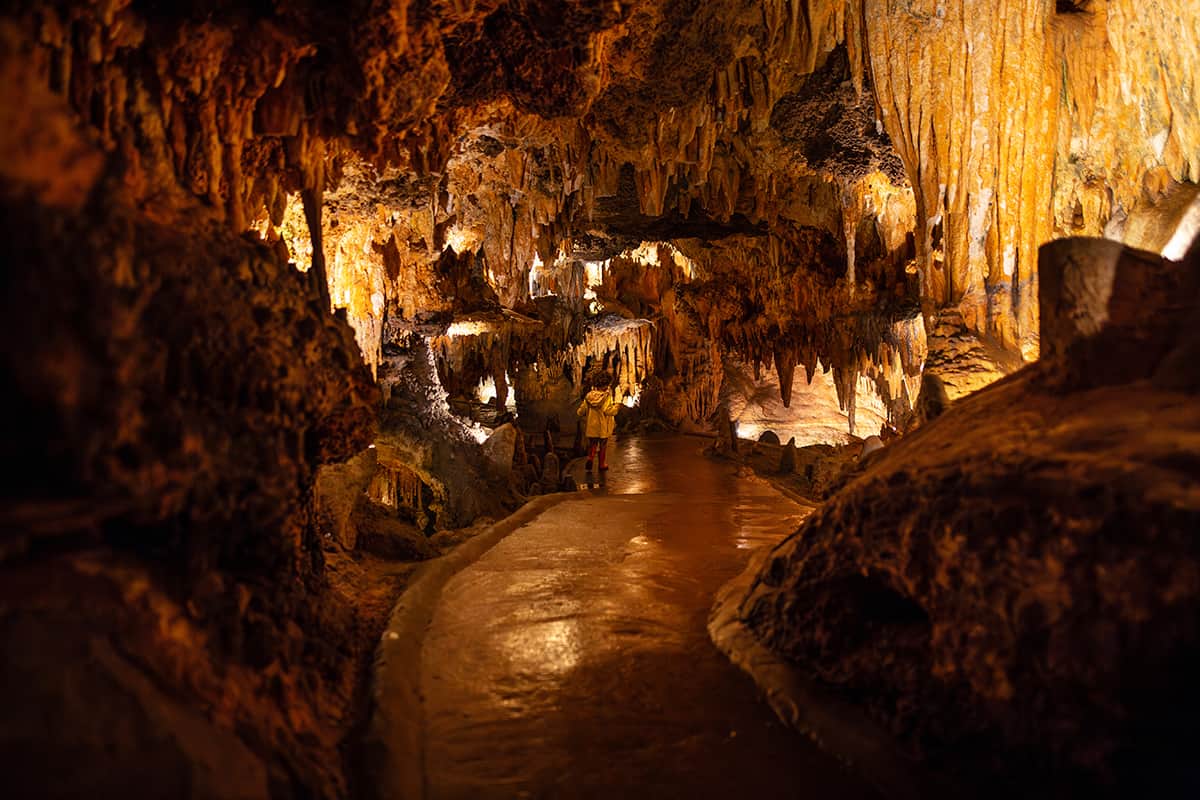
(599, 410)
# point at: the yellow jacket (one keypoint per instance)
(600, 410)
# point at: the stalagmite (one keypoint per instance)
(312, 215)
(787, 460)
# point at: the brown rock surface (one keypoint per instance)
(168, 460)
(963, 361)
(1013, 589)
(382, 534)
(339, 489)
(173, 389)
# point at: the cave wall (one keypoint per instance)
(933, 135)
(814, 416)
(1002, 111)
(705, 148)
(174, 387)
(167, 610)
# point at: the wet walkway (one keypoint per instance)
(572, 660)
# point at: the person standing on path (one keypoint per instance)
(599, 411)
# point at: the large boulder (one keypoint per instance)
(498, 450)
(1110, 314)
(1014, 589)
(382, 533)
(159, 552)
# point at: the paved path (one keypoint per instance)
(572, 660)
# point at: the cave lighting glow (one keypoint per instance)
(462, 240)
(594, 273)
(468, 327)
(1178, 246)
(294, 230)
(646, 253)
(651, 254)
(535, 273)
(486, 392)
(685, 264)
(748, 430)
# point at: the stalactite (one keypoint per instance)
(785, 367)
(396, 485)
(631, 344)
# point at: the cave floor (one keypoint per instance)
(572, 660)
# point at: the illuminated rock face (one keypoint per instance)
(813, 416)
(934, 134)
(874, 136)
(515, 193)
(1002, 110)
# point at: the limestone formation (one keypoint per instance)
(787, 460)
(339, 489)
(962, 361)
(382, 533)
(770, 437)
(498, 449)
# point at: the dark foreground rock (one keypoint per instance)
(1014, 589)
(167, 617)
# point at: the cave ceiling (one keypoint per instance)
(837, 167)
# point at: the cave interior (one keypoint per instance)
(302, 296)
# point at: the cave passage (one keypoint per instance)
(572, 660)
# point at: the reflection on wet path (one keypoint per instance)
(572, 660)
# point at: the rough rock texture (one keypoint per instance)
(381, 533)
(765, 126)
(173, 388)
(365, 144)
(1013, 94)
(339, 490)
(963, 361)
(1013, 589)
(168, 459)
(419, 435)
(499, 448)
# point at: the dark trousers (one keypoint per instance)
(596, 443)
